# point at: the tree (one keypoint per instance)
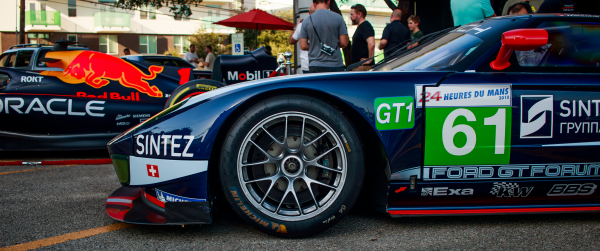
(201, 38)
(178, 7)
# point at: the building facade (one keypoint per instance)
(102, 27)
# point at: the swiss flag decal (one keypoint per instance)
(152, 170)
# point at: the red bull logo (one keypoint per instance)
(97, 69)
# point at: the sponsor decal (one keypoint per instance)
(135, 96)
(572, 189)
(537, 119)
(152, 170)
(123, 123)
(167, 197)
(393, 113)
(471, 27)
(141, 175)
(51, 107)
(31, 79)
(151, 145)
(579, 110)
(445, 191)
(401, 189)
(464, 95)
(119, 117)
(503, 189)
(135, 116)
(279, 228)
(97, 69)
(511, 171)
(468, 125)
(249, 75)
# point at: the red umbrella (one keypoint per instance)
(257, 20)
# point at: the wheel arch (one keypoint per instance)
(377, 168)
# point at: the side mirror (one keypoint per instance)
(518, 40)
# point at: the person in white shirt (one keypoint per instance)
(210, 58)
(191, 56)
(295, 37)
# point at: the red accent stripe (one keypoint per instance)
(492, 211)
(9, 93)
(153, 199)
(60, 162)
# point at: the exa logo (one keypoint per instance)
(445, 191)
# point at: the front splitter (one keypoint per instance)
(133, 205)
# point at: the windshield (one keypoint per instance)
(439, 54)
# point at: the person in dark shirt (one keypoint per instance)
(363, 41)
(393, 34)
(416, 33)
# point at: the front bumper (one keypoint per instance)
(135, 205)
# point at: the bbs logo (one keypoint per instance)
(572, 189)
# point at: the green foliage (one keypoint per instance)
(178, 7)
(172, 52)
(201, 38)
(279, 40)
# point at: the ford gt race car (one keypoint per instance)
(495, 117)
(81, 99)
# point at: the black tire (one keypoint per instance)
(190, 88)
(331, 210)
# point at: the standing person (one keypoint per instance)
(210, 58)
(363, 40)
(191, 56)
(295, 37)
(393, 34)
(327, 33)
(416, 33)
(468, 11)
(535, 5)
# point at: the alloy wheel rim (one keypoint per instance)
(292, 166)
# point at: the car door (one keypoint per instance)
(523, 137)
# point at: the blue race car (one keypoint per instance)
(500, 116)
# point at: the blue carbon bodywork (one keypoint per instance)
(356, 90)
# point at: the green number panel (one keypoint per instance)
(467, 136)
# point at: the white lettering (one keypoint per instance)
(14, 107)
(155, 145)
(437, 191)
(398, 106)
(137, 139)
(165, 141)
(585, 109)
(173, 146)
(386, 114)
(40, 107)
(562, 106)
(50, 103)
(190, 138)
(89, 107)
(70, 109)
(232, 75)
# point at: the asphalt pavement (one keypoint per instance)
(41, 202)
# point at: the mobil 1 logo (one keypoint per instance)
(471, 129)
(393, 113)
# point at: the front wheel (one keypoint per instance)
(292, 166)
(192, 88)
